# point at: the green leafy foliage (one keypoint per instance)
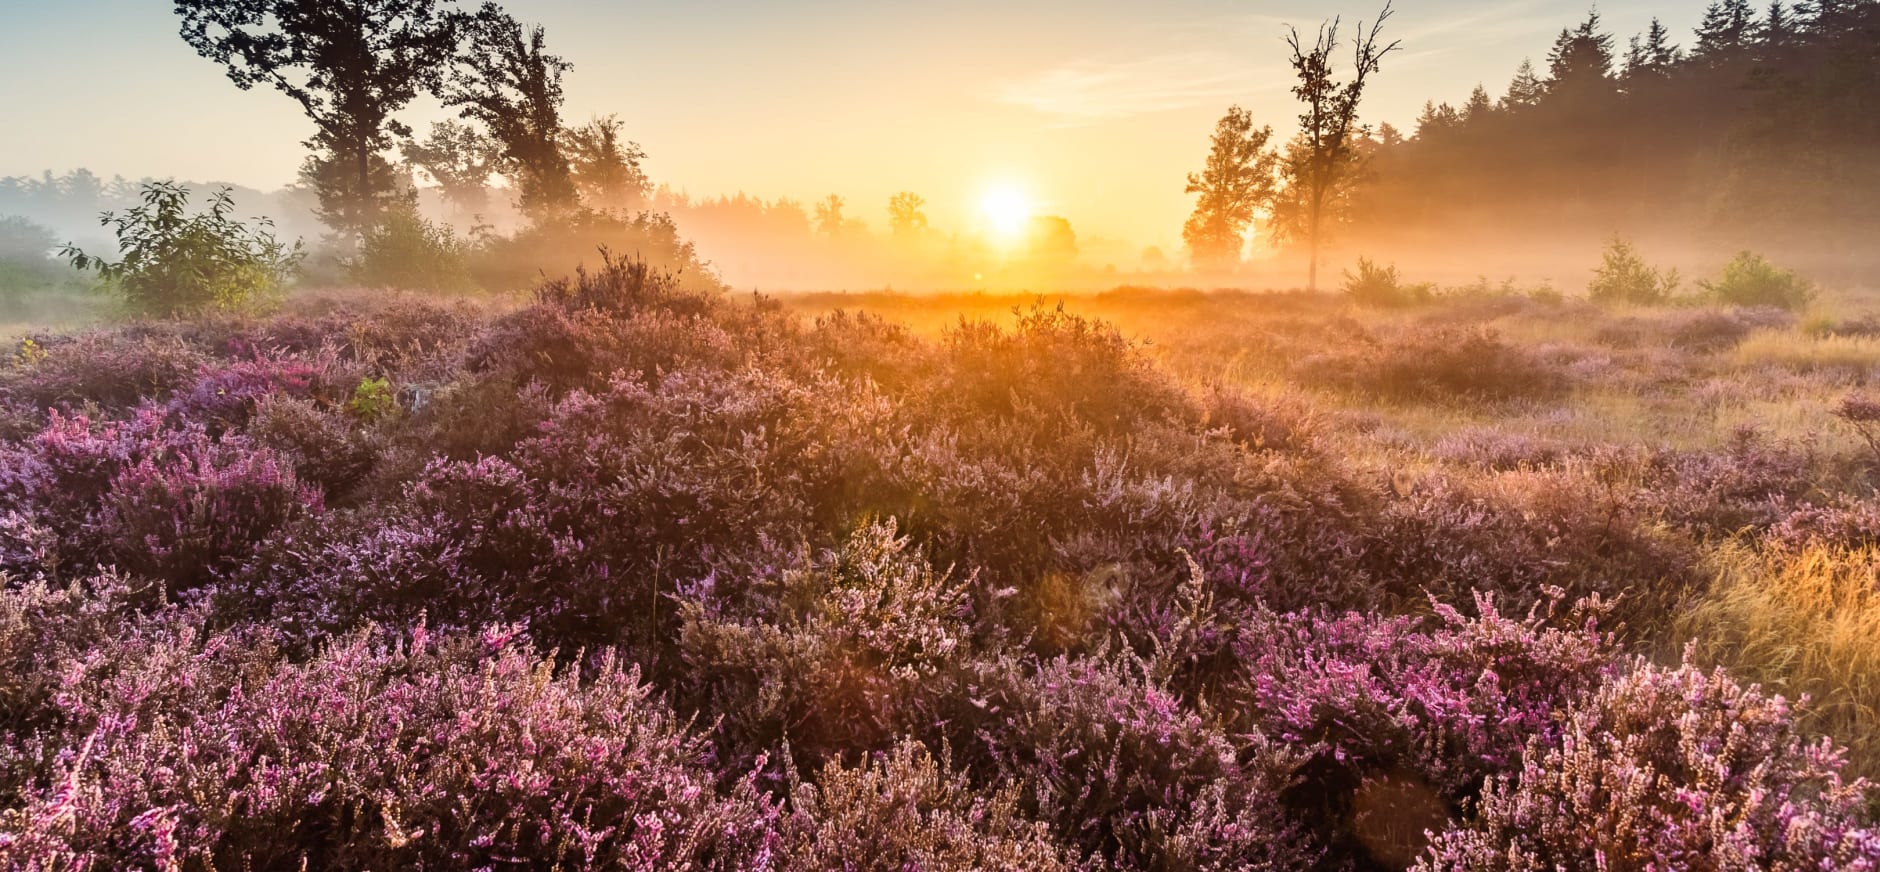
(1751, 280)
(175, 263)
(1374, 285)
(1625, 277)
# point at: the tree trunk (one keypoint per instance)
(365, 183)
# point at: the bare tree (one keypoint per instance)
(1330, 122)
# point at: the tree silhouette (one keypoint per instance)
(1581, 58)
(350, 64)
(606, 168)
(460, 159)
(505, 79)
(906, 216)
(1527, 89)
(1323, 159)
(1726, 32)
(829, 216)
(1237, 182)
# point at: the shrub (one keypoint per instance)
(463, 752)
(404, 250)
(188, 515)
(1382, 286)
(1625, 277)
(1751, 280)
(175, 263)
(1445, 365)
(1126, 772)
(621, 286)
(1423, 710)
(1861, 413)
(843, 655)
(115, 370)
(1670, 769)
(903, 810)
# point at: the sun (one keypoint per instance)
(1007, 212)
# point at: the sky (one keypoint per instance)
(1095, 110)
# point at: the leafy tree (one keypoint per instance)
(1625, 277)
(175, 263)
(1751, 280)
(829, 216)
(907, 217)
(606, 168)
(1239, 181)
(25, 241)
(335, 183)
(1052, 239)
(350, 64)
(505, 79)
(461, 159)
(1324, 159)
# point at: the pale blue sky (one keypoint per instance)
(1097, 108)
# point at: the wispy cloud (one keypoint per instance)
(1087, 91)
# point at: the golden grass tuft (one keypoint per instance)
(1791, 350)
(1804, 622)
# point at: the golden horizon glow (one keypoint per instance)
(1007, 211)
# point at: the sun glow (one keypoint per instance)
(1007, 212)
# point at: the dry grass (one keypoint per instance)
(1855, 357)
(1800, 623)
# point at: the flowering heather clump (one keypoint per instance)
(1129, 773)
(1670, 769)
(841, 655)
(179, 749)
(114, 370)
(1446, 365)
(1400, 705)
(904, 810)
(188, 514)
(226, 397)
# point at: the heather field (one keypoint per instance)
(1097, 437)
(638, 575)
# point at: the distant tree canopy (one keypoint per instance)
(1239, 180)
(907, 216)
(353, 65)
(461, 159)
(350, 64)
(505, 79)
(605, 167)
(1763, 133)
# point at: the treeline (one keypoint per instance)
(1760, 129)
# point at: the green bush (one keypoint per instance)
(1625, 277)
(175, 263)
(1374, 285)
(1751, 280)
(407, 252)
